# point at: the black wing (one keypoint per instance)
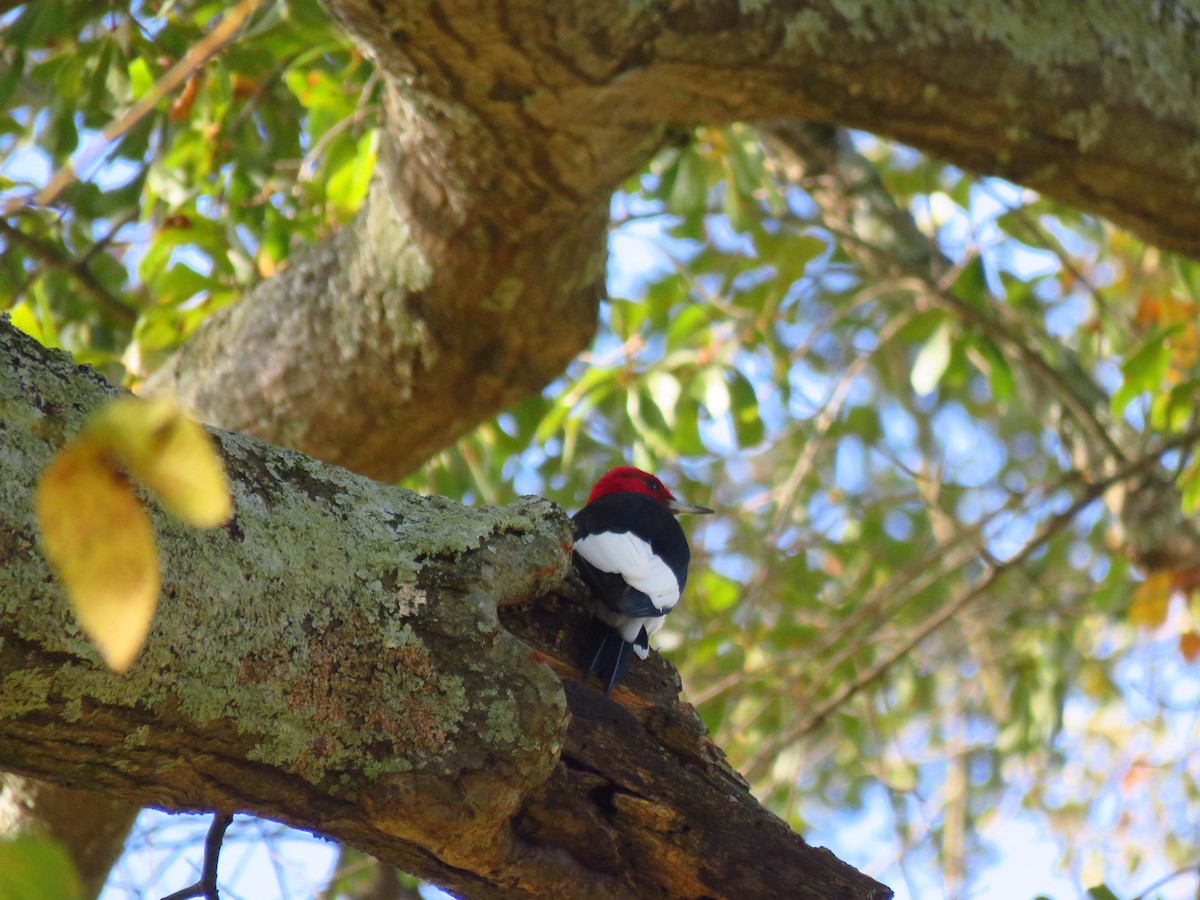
(656, 525)
(611, 590)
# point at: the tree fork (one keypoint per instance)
(473, 277)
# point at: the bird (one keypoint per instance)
(632, 553)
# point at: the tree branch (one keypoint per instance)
(206, 887)
(473, 278)
(78, 269)
(334, 659)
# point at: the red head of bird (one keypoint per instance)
(635, 481)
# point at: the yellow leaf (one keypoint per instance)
(98, 538)
(169, 453)
(1151, 600)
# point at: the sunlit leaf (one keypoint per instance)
(169, 453)
(98, 538)
(716, 393)
(348, 183)
(932, 361)
(1189, 486)
(664, 392)
(95, 531)
(1150, 602)
(719, 592)
(1143, 371)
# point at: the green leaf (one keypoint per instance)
(742, 212)
(932, 361)
(1189, 276)
(99, 97)
(719, 592)
(996, 369)
(347, 186)
(22, 316)
(689, 193)
(627, 316)
(1173, 410)
(789, 252)
(141, 79)
(747, 423)
(863, 422)
(1144, 371)
(11, 75)
(687, 325)
(36, 868)
(664, 390)
(62, 137)
(686, 429)
(649, 421)
(1189, 488)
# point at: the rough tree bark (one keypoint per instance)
(473, 277)
(334, 659)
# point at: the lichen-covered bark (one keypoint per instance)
(334, 658)
(332, 653)
(473, 278)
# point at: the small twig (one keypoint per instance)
(1189, 869)
(78, 269)
(309, 162)
(1091, 493)
(206, 887)
(114, 225)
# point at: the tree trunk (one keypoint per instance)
(334, 658)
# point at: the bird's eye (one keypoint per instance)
(653, 485)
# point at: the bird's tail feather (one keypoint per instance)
(610, 658)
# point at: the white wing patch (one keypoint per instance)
(630, 628)
(631, 557)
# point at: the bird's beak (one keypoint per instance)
(678, 506)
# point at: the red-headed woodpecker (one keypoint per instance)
(633, 555)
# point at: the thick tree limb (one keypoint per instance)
(333, 659)
(473, 278)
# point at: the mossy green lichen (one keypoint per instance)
(73, 710)
(23, 692)
(502, 718)
(308, 627)
(1145, 54)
